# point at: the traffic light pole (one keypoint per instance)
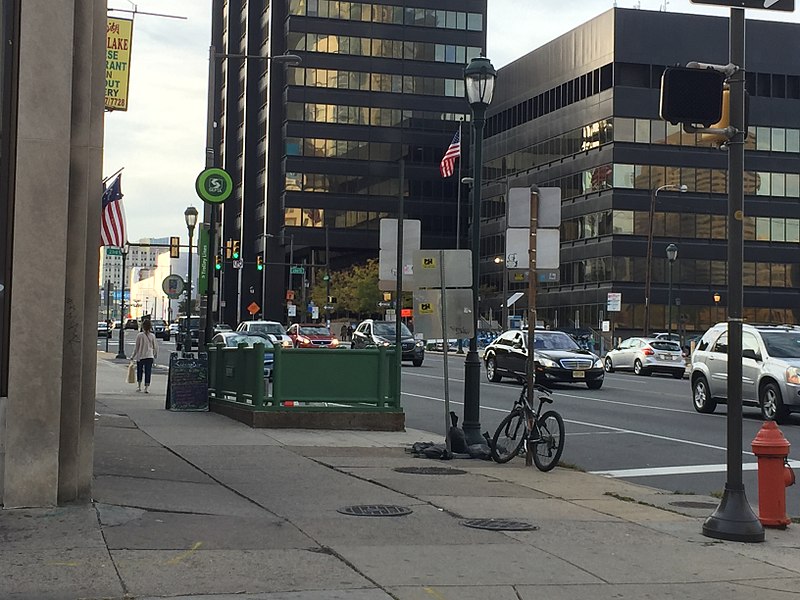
(734, 520)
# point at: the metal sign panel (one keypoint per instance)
(614, 302)
(428, 313)
(457, 267)
(387, 257)
(548, 248)
(784, 5)
(119, 39)
(519, 207)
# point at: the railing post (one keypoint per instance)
(257, 377)
(240, 372)
(384, 373)
(277, 377)
(212, 372)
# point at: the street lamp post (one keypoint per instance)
(479, 78)
(464, 181)
(672, 254)
(649, 265)
(211, 161)
(190, 215)
(504, 306)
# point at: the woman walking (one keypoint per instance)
(144, 353)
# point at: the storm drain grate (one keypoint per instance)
(499, 525)
(429, 471)
(691, 504)
(375, 510)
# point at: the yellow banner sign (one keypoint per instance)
(119, 38)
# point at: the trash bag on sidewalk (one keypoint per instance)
(458, 441)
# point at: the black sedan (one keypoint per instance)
(557, 359)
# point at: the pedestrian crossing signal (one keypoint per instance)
(174, 247)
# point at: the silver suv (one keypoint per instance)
(770, 369)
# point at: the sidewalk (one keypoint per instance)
(198, 506)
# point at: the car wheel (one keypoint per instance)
(638, 369)
(772, 408)
(594, 385)
(701, 396)
(491, 370)
(417, 362)
(678, 374)
(608, 366)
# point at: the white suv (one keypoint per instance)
(770, 369)
(271, 328)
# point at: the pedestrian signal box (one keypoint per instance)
(691, 96)
(174, 247)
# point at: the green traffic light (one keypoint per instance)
(218, 267)
(260, 267)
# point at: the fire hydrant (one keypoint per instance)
(774, 475)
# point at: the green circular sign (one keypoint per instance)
(214, 185)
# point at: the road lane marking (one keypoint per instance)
(679, 470)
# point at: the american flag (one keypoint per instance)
(112, 217)
(449, 158)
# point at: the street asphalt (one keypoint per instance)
(194, 505)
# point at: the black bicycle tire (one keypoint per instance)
(552, 459)
(514, 414)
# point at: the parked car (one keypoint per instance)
(222, 327)
(373, 334)
(132, 324)
(645, 356)
(232, 339)
(770, 369)
(174, 328)
(312, 335)
(557, 359)
(103, 330)
(160, 329)
(194, 332)
(673, 337)
(265, 329)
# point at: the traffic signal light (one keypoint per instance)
(691, 96)
(228, 251)
(218, 262)
(236, 252)
(260, 262)
(174, 247)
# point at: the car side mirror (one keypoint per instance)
(750, 353)
(517, 345)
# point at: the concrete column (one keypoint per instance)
(32, 428)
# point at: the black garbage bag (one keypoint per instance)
(458, 441)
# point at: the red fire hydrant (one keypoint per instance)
(774, 475)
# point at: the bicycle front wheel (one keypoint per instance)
(508, 437)
(548, 448)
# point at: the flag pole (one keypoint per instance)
(113, 175)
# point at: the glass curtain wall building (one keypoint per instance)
(315, 149)
(581, 113)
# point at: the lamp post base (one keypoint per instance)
(734, 520)
(472, 400)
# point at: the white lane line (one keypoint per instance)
(608, 428)
(680, 470)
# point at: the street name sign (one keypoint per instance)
(111, 251)
(784, 5)
(297, 270)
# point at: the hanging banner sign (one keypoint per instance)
(119, 38)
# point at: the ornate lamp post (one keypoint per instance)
(672, 254)
(190, 215)
(479, 77)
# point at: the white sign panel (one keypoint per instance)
(605, 326)
(387, 257)
(457, 268)
(548, 248)
(519, 207)
(614, 302)
(292, 310)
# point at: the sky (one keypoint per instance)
(160, 140)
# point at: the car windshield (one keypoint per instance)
(665, 346)
(232, 341)
(387, 330)
(273, 328)
(158, 322)
(315, 330)
(553, 341)
(194, 322)
(785, 344)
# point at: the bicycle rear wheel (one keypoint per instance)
(548, 448)
(508, 437)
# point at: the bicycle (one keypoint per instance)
(541, 435)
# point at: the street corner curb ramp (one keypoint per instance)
(311, 388)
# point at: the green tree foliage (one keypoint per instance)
(355, 289)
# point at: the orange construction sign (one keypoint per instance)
(253, 308)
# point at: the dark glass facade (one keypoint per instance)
(315, 148)
(9, 15)
(581, 113)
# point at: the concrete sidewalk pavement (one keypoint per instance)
(195, 505)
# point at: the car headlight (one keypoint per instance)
(420, 343)
(793, 375)
(334, 343)
(287, 343)
(598, 364)
(303, 340)
(546, 362)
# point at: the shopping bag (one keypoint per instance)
(132, 372)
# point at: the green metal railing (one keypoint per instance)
(318, 379)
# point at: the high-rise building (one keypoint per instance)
(582, 113)
(315, 149)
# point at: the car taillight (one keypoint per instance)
(334, 342)
(648, 352)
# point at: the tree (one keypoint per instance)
(355, 289)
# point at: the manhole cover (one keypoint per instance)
(375, 510)
(690, 504)
(499, 525)
(430, 471)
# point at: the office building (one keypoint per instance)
(315, 149)
(582, 113)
